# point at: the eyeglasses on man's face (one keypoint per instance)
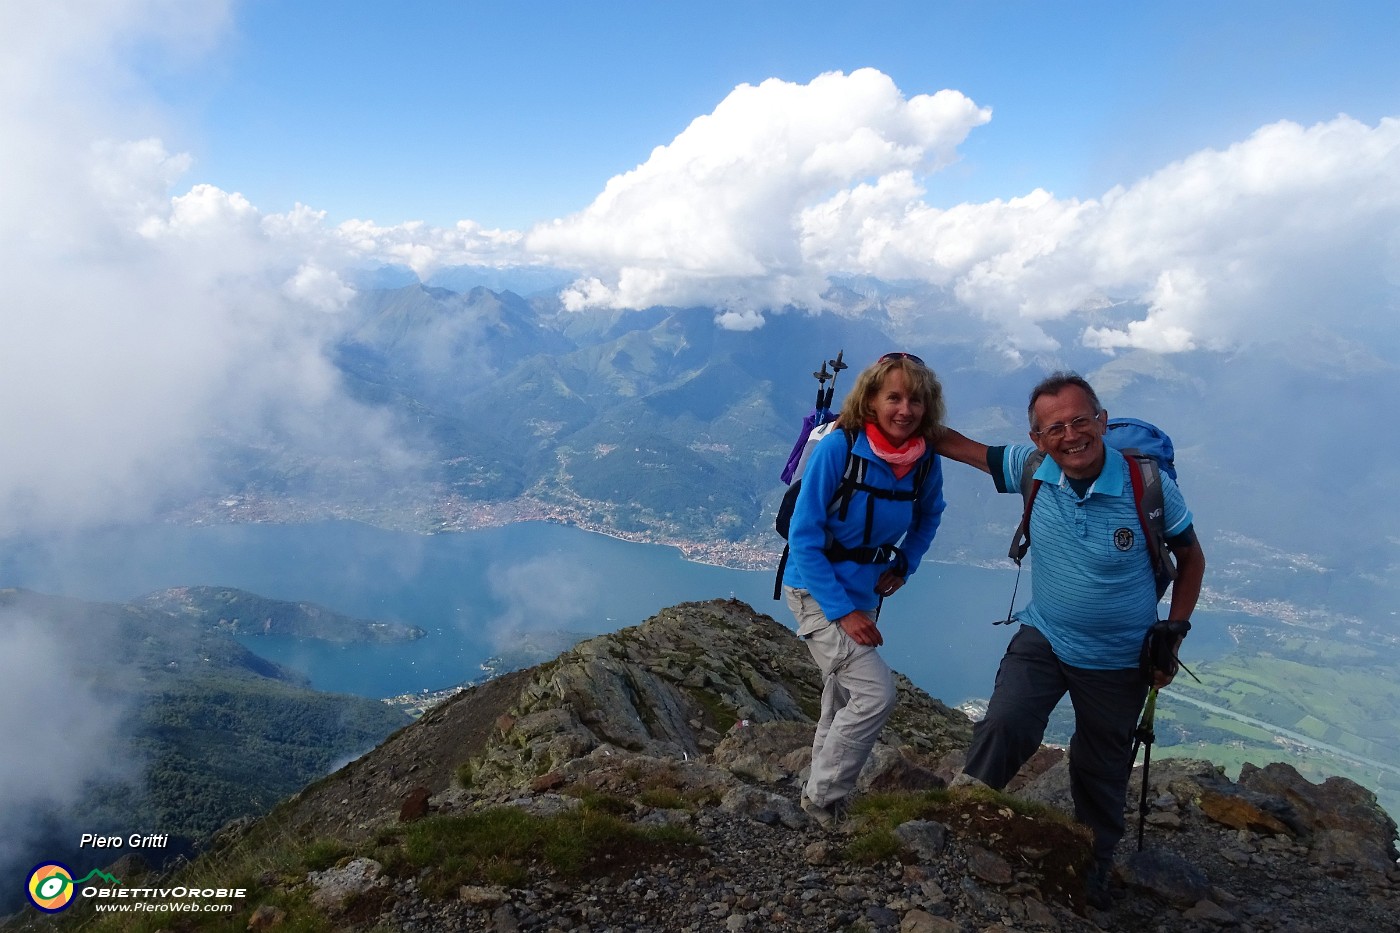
(1058, 430)
(901, 356)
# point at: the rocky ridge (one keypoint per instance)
(700, 719)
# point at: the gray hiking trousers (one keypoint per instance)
(1030, 682)
(858, 696)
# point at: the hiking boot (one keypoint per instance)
(1097, 889)
(827, 817)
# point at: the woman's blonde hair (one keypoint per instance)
(859, 405)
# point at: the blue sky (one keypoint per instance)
(514, 113)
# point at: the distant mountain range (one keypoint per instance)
(661, 423)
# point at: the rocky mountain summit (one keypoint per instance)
(675, 750)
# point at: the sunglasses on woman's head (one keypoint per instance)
(901, 356)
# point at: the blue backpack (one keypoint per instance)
(1130, 434)
(1149, 453)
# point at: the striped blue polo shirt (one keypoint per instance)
(1092, 590)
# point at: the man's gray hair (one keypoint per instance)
(1055, 383)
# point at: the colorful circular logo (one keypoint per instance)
(50, 887)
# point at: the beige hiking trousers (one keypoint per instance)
(858, 696)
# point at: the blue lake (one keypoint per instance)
(479, 592)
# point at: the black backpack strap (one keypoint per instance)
(1021, 540)
(778, 581)
(852, 477)
(921, 473)
(877, 554)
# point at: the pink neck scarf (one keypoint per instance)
(901, 459)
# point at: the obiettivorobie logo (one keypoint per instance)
(52, 888)
(51, 885)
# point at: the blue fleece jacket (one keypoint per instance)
(842, 587)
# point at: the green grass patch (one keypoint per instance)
(485, 848)
(497, 846)
(888, 810)
(664, 798)
(1311, 725)
(873, 846)
(1031, 808)
(598, 801)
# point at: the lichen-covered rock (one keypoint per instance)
(1343, 823)
(1235, 811)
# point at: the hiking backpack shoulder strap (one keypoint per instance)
(921, 473)
(855, 481)
(852, 477)
(1146, 477)
(1021, 540)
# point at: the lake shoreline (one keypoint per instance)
(454, 514)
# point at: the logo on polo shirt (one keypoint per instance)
(1123, 539)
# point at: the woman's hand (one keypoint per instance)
(861, 628)
(889, 583)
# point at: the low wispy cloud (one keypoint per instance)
(63, 734)
(141, 320)
(545, 594)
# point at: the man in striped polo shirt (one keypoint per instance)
(1093, 601)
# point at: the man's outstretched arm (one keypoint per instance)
(956, 446)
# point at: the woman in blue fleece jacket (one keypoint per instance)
(841, 566)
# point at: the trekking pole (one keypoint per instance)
(836, 367)
(821, 376)
(1144, 736)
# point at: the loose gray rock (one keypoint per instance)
(335, 885)
(925, 838)
(1168, 876)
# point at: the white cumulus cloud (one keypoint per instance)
(425, 248)
(716, 216)
(1263, 235)
(756, 206)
